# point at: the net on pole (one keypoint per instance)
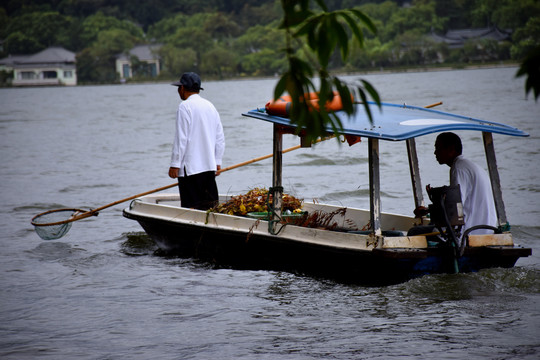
(54, 224)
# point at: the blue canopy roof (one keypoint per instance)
(401, 122)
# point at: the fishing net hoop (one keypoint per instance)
(77, 214)
(49, 227)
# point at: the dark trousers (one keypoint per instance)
(198, 191)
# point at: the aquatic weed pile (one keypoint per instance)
(326, 220)
(255, 200)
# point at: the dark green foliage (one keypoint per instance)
(246, 37)
(35, 31)
(531, 68)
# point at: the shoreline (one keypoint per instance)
(342, 72)
(434, 69)
(339, 72)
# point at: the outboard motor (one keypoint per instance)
(446, 213)
(446, 208)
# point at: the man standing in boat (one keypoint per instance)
(198, 146)
(475, 186)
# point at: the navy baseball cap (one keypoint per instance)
(190, 80)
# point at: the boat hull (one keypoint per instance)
(236, 250)
(252, 247)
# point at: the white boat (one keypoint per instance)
(383, 254)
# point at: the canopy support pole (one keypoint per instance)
(415, 173)
(374, 187)
(494, 177)
(277, 189)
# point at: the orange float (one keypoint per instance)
(282, 106)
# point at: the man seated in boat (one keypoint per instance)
(474, 183)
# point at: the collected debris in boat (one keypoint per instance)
(256, 201)
(320, 219)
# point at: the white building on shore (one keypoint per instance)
(52, 66)
(147, 54)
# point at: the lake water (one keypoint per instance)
(101, 292)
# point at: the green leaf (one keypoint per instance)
(345, 94)
(358, 34)
(365, 103)
(323, 50)
(316, 37)
(281, 86)
(372, 92)
(531, 67)
(365, 19)
(337, 125)
(309, 26)
(343, 39)
(312, 40)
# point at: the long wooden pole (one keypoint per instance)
(433, 105)
(266, 157)
(255, 160)
(94, 212)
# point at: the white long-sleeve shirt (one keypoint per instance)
(476, 194)
(199, 142)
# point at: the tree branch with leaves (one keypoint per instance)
(319, 34)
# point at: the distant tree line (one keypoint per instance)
(224, 38)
